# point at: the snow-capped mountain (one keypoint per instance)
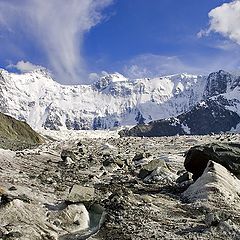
(218, 111)
(111, 101)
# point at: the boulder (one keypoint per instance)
(73, 218)
(148, 168)
(80, 194)
(216, 185)
(67, 154)
(138, 156)
(226, 154)
(184, 177)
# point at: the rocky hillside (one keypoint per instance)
(218, 112)
(16, 134)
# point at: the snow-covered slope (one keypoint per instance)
(111, 101)
(218, 111)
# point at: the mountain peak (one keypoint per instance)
(115, 77)
(111, 101)
(218, 83)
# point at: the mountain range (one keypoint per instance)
(183, 102)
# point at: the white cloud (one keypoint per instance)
(24, 66)
(225, 20)
(58, 26)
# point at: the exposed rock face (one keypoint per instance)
(218, 83)
(226, 154)
(209, 117)
(206, 117)
(15, 133)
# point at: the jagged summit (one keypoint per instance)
(218, 83)
(111, 101)
(217, 111)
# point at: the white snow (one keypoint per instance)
(111, 102)
(65, 135)
(186, 129)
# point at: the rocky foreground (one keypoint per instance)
(121, 188)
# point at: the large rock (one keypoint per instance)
(227, 154)
(148, 168)
(216, 185)
(156, 170)
(80, 194)
(74, 217)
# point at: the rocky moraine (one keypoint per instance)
(105, 187)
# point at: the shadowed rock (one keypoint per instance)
(216, 185)
(226, 154)
(210, 116)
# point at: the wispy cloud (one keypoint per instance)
(58, 26)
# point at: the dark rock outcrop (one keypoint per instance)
(226, 154)
(217, 83)
(206, 117)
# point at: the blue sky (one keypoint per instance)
(139, 38)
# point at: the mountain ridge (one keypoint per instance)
(37, 99)
(112, 100)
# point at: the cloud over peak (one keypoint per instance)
(58, 27)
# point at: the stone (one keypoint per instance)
(67, 154)
(184, 177)
(148, 168)
(107, 162)
(119, 162)
(214, 218)
(2, 191)
(13, 188)
(12, 235)
(217, 185)
(81, 194)
(138, 156)
(74, 217)
(69, 161)
(226, 154)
